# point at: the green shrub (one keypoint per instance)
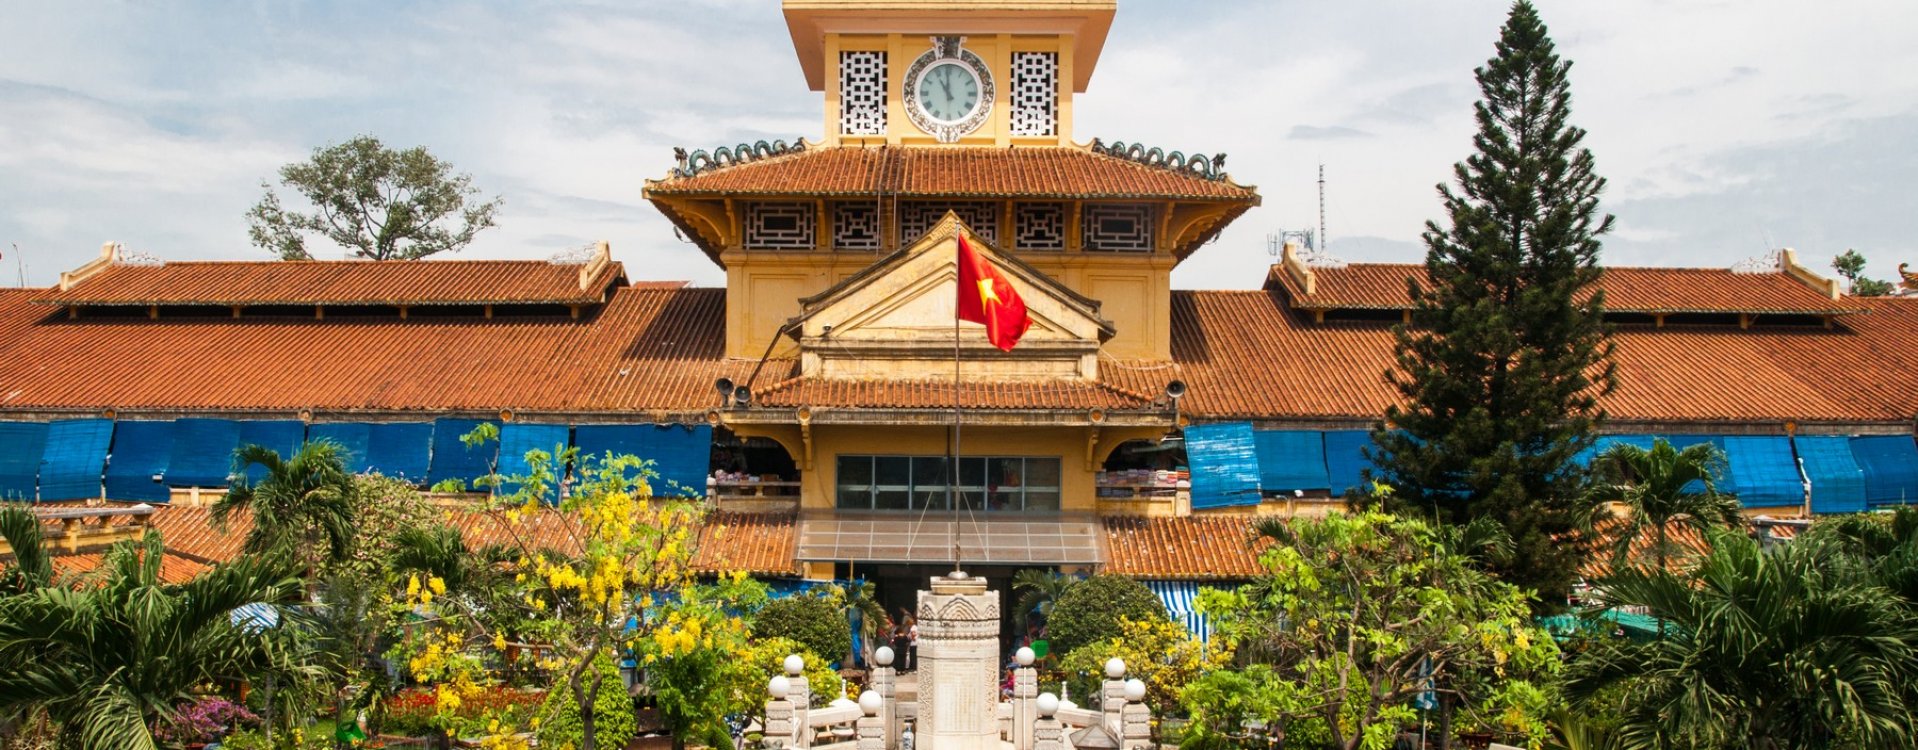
(813, 621)
(614, 722)
(1091, 611)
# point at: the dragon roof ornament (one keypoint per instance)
(1198, 165)
(726, 156)
(1765, 263)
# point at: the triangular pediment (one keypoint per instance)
(904, 305)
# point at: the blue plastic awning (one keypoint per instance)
(202, 452)
(75, 458)
(1837, 484)
(1890, 463)
(682, 455)
(400, 449)
(1604, 442)
(1181, 600)
(1225, 464)
(137, 467)
(21, 446)
(452, 459)
(349, 436)
(282, 436)
(1764, 471)
(1291, 460)
(1345, 460)
(516, 440)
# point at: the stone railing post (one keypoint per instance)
(871, 729)
(1047, 732)
(1025, 692)
(801, 697)
(1136, 719)
(779, 712)
(885, 683)
(1112, 696)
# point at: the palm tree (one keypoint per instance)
(302, 505)
(31, 568)
(108, 658)
(861, 600)
(1659, 488)
(1042, 588)
(1796, 646)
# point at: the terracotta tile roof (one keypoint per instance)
(174, 568)
(1040, 171)
(1246, 355)
(1204, 547)
(1688, 542)
(1381, 286)
(646, 349)
(359, 282)
(760, 543)
(938, 394)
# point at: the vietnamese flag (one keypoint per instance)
(986, 298)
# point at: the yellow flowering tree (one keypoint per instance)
(604, 571)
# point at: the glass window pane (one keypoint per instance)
(972, 489)
(892, 482)
(855, 482)
(1042, 500)
(929, 482)
(1042, 473)
(1006, 480)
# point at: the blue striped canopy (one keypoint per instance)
(1225, 464)
(1181, 600)
(1891, 467)
(1345, 460)
(350, 436)
(681, 454)
(75, 458)
(452, 459)
(1291, 460)
(283, 436)
(1764, 471)
(1837, 484)
(21, 446)
(202, 452)
(137, 467)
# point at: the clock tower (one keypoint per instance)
(970, 72)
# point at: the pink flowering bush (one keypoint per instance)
(204, 720)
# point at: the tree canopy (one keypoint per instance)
(1851, 265)
(1506, 355)
(376, 202)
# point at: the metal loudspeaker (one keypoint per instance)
(1175, 389)
(742, 396)
(725, 387)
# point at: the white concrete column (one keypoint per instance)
(800, 694)
(958, 665)
(870, 730)
(885, 683)
(1025, 692)
(1112, 697)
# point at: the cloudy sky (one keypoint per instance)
(1725, 126)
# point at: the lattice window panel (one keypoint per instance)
(780, 226)
(1035, 93)
(917, 217)
(862, 93)
(1039, 226)
(1118, 227)
(855, 226)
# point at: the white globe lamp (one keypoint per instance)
(1134, 690)
(778, 687)
(1024, 656)
(1115, 668)
(1048, 705)
(795, 664)
(870, 702)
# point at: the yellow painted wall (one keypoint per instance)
(995, 50)
(819, 488)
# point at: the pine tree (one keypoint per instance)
(1506, 355)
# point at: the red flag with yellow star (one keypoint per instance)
(986, 298)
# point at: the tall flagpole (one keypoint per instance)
(953, 506)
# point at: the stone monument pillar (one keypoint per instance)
(958, 665)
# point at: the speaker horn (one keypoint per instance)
(724, 386)
(1175, 389)
(742, 396)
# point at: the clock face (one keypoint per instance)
(948, 91)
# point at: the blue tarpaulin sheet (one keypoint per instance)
(400, 449)
(1604, 442)
(1291, 460)
(202, 452)
(681, 455)
(283, 436)
(1345, 460)
(21, 446)
(1225, 464)
(1764, 471)
(141, 452)
(75, 458)
(516, 439)
(349, 436)
(452, 459)
(1891, 467)
(1837, 484)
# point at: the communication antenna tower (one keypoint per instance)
(1321, 204)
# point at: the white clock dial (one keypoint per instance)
(949, 91)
